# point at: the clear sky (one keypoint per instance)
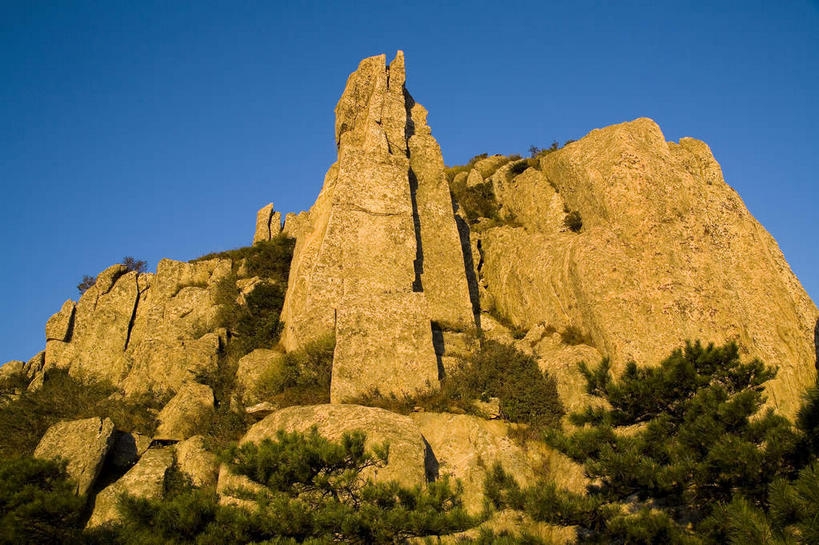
(157, 129)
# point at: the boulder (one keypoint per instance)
(83, 444)
(407, 456)
(195, 461)
(11, 368)
(466, 447)
(487, 166)
(252, 368)
(145, 480)
(186, 413)
(474, 178)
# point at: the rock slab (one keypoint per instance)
(83, 444)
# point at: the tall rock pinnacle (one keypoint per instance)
(380, 262)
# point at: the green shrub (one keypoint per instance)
(681, 453)
(573, 221)
(268, 259)
(310, 490)
(526, 394)
(85, 283)
(24, 420)
(517, 168)
(303, 377)
(37, 503)
(477, 201)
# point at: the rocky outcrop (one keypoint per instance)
(268, 224)
(145, 480)
(667, 252)
(407, 461)
(83, 444)
(380, 259)
(195, 461)
(142, 332)
(186, 413)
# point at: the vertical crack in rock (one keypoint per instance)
(418, 263)
(470, 267)
(132, 320)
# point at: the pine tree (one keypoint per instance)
(681, 453)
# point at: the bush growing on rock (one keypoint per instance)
(135, 265)
(310, 490)
(85, 283)
(527, 395)
(24, 420)
(304, 375)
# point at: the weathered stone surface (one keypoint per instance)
(402, 361)
(186, 413)
(195, 461)
(142, 332)
(486, 167)
(145, 480)
(460, 178)
(10, 368)
(474, 178)
(254, 366)
(530, 199)
(443, 272)
(35, 365)
(382, 232)
(127, 448)
(667, 252)
(295, 224)
(268, 224)
(466, 447)
(58, 327)
(407, 455)
(83, 444)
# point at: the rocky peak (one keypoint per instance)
(382, 263)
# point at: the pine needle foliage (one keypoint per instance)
(309, 490)
(37, 503)
(681, 453)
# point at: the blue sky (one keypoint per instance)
(157, 129)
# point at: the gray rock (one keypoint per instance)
(186, 413)
(145, 480)
(83, 444)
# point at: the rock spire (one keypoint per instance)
(380, 264)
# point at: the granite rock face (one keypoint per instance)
(83, 444)
(466, 447)
(379, 259)
(268, 224)
(667, 252)
(141, 332)
(195, 461)
(185, 413)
